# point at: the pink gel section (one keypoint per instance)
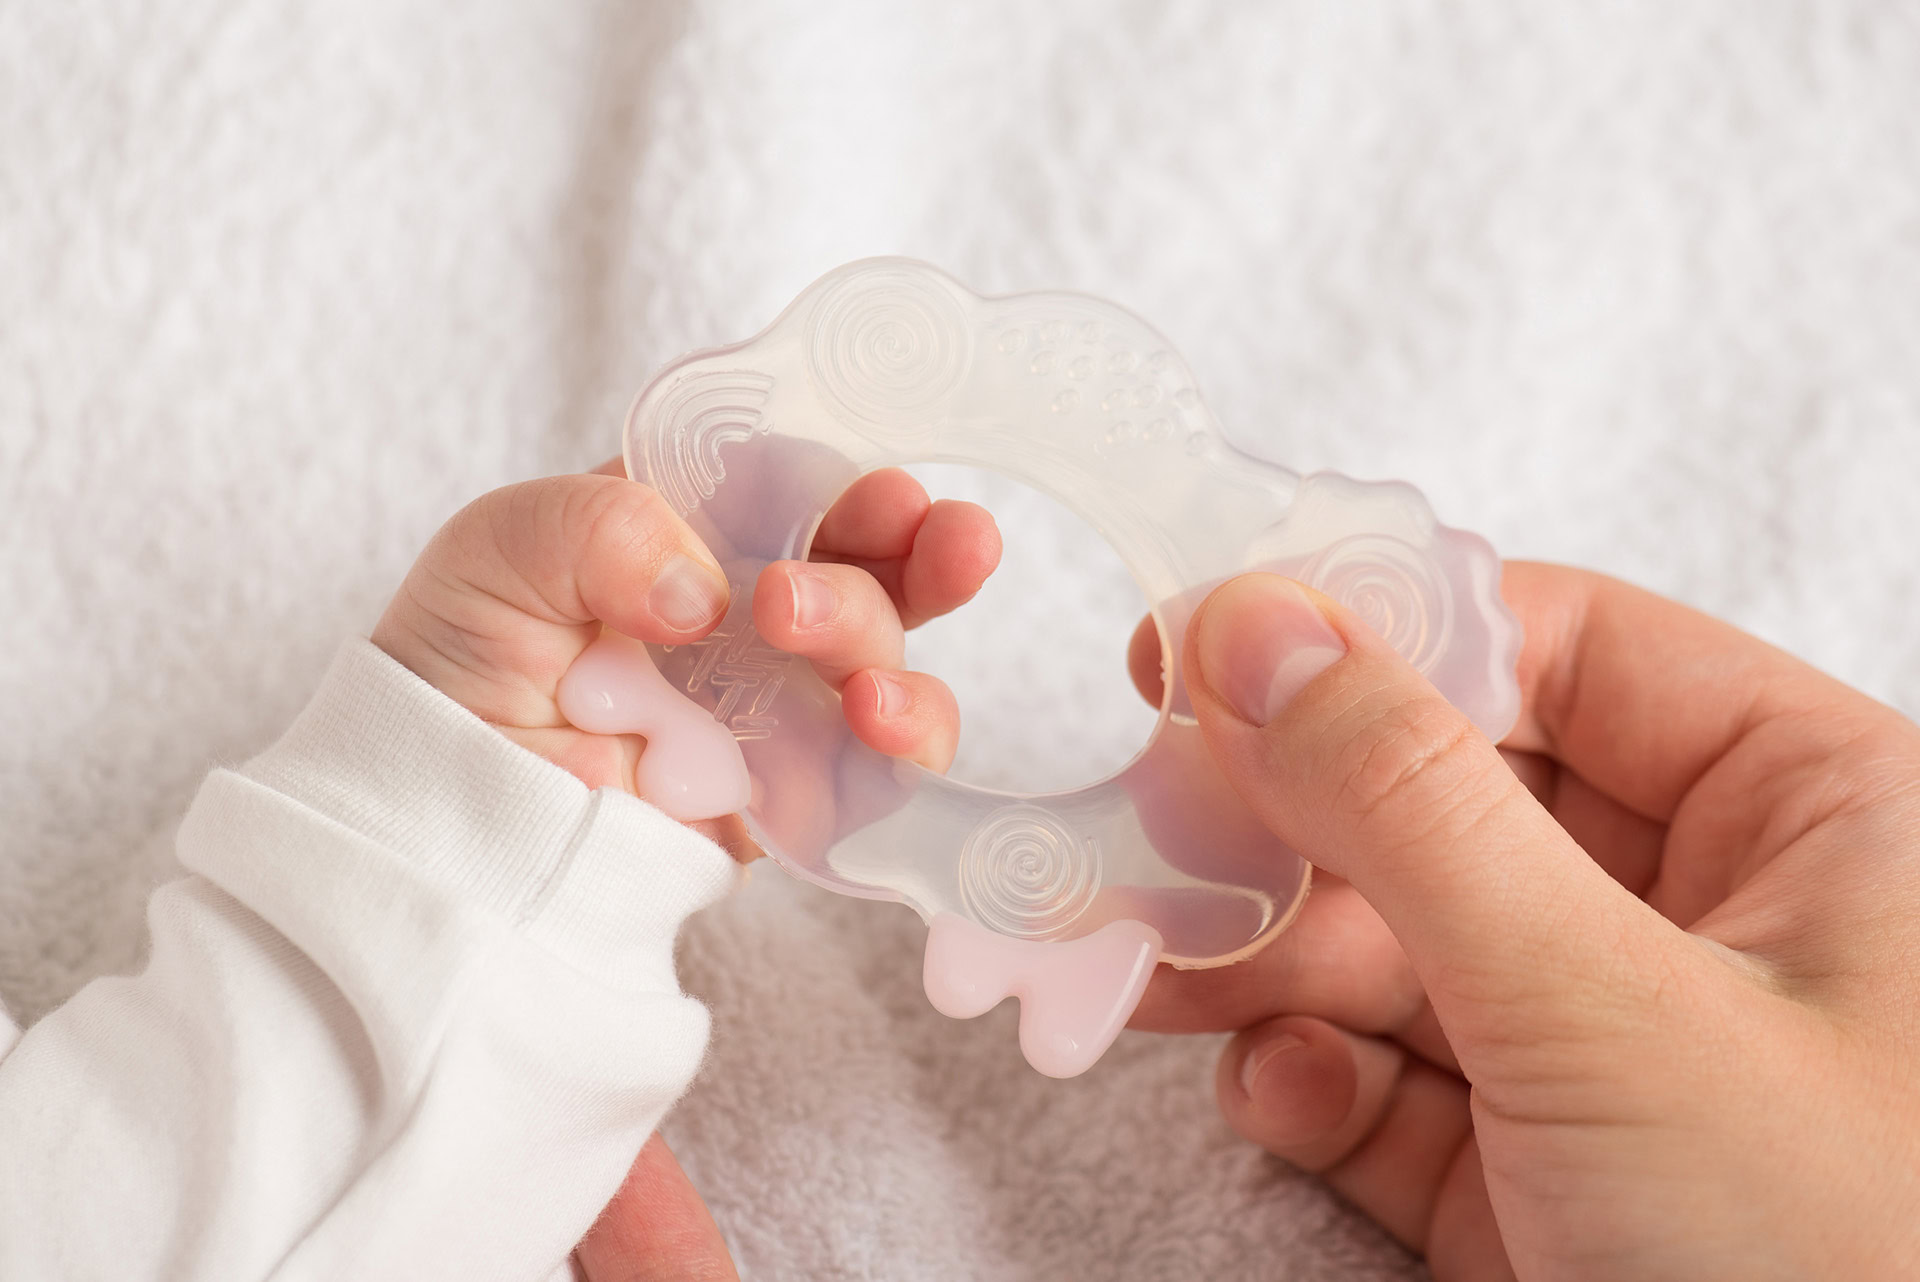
(692, 767)
(1075, 995)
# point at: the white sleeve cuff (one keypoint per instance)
(410, 784)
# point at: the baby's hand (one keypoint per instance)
(519, 582)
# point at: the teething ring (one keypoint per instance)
(888, 361)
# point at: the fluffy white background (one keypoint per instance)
(1635, 286)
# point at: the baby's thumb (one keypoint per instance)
(1354, 760)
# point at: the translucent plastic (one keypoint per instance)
(888, 361)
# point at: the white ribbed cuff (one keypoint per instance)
(601, 878)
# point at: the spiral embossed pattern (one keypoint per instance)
(1394, 588)
(888, 346)
(1025, 873)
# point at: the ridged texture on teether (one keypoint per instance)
(1432, 592)
(700, 414)
(888, 346)
(1395, 591)
(1025, 873)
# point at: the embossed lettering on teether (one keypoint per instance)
(745, 674)
(699, 414)
(1025, 873)
(888, 346)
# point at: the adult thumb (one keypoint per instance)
(1355, 761)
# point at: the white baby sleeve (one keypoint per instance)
(410, 1016)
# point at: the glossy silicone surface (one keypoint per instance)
(888, 361)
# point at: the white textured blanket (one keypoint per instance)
(1636, 286)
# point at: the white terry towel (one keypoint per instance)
(281, 286)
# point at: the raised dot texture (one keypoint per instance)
(1066, 402)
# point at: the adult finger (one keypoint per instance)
(1392, 1134)
(1337, 962)
(1620, 839)
(1354, 760)
(1640, 695)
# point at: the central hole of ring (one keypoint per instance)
(1038, 660)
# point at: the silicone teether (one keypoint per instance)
(1055, 898)
(692, 768)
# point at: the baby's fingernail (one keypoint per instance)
(890, 694)
(1261, 641)
(1261, 1056)
(687, 595)
(812, 599)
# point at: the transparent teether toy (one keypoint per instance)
(1063, 899)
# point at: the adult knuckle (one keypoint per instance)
(1419, 760)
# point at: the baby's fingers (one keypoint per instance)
(844, 621)
(904, 714)
(571, 550)
(930, 557)
(874, 520)
(957, 547)
(502, 600)
(835, 615)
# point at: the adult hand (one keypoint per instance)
(1640, 1000)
